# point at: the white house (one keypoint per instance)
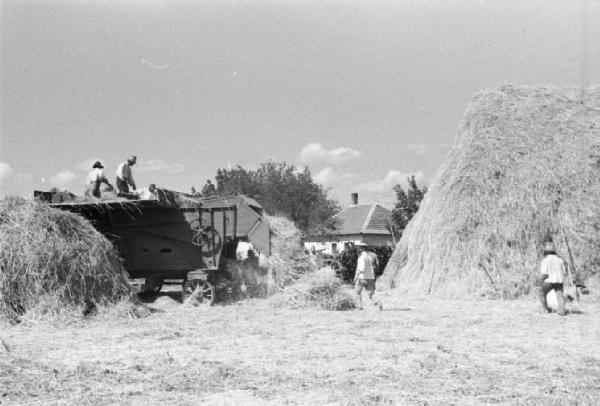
(368, 223)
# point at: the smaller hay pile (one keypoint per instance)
(301, 286)
(288, 260)
(318, 289)
(53, 261)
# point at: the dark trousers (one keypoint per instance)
(369, 286)
(560, 299)
(93, 189)
(122, 186)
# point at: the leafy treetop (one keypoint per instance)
(282, 189)
(407, 204)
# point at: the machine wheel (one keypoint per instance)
(205, 294)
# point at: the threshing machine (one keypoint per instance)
(175, 237)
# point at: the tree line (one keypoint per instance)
(284, 189)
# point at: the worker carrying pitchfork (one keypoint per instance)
(364, 277)
(553, 270)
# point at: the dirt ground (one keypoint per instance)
(418, 351)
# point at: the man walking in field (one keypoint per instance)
(364, 276)
(553, 270)
(94, 179)
(124, 176)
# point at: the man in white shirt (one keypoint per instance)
(124, 176)
(94, 179)
(553, 270)
(364, 276)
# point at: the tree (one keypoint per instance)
(208, 189)
(236, 181)
(281, 189)
(407, 204)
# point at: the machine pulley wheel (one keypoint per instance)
(203, 292)
(205, 237)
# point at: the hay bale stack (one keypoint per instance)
(54, 259)
(526, 165)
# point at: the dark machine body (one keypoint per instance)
(177, 238)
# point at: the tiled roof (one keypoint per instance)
(364, 219)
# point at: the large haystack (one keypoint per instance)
(54, 259)
(525, 166)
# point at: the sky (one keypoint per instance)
(364, 93)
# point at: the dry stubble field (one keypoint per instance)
(417, 351)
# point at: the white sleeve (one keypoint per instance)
(360, 264)
(544, 267)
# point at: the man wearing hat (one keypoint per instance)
(94, 179)
(124, 177)
(553, 270)
(364, 276)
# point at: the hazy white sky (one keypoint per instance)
(363, 92)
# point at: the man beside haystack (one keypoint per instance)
(364, 277)
(553, 270)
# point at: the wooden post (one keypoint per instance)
(269, 277)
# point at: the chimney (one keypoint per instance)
(354, 198)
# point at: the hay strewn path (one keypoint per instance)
(417, 351)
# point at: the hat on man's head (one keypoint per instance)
(132, 158)
(549, 247)
(97, 164)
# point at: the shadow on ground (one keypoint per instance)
(151, 297)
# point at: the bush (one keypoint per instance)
(350, 256)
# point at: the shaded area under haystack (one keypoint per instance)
(526, 166)
(54, 259)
